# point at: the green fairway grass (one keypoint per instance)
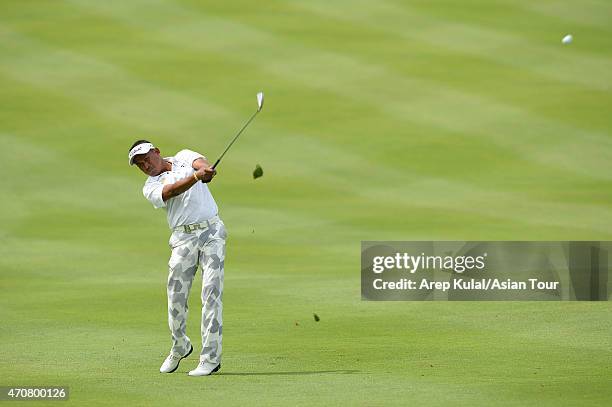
(384, 120)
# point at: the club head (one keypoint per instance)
(260, 101)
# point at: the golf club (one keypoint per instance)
(260, 100)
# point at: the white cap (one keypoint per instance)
(139, 149)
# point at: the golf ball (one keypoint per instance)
(567, 39)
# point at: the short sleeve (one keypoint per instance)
(188, 156)
(152, 190)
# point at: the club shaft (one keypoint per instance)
(234, 139)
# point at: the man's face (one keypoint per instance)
(150, 163)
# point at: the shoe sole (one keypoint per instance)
(179, 362)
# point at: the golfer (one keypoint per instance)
(178, 184)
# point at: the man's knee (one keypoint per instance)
(212, 292)
(183, 272)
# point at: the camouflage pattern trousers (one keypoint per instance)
(204, 247)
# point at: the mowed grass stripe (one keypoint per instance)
(359, 80)
(542, 22)
(463, 103)
(538, 93)
(252, 36)
(592, 71)
(103, 86)
(590, 13)
(557, 99)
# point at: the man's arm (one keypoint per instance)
(204, 173)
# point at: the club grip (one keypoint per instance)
(215, 164)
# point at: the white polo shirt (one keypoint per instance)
(192, 206)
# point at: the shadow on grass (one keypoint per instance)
(286, 373)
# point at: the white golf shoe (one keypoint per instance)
(172, 362)
(205, 369)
